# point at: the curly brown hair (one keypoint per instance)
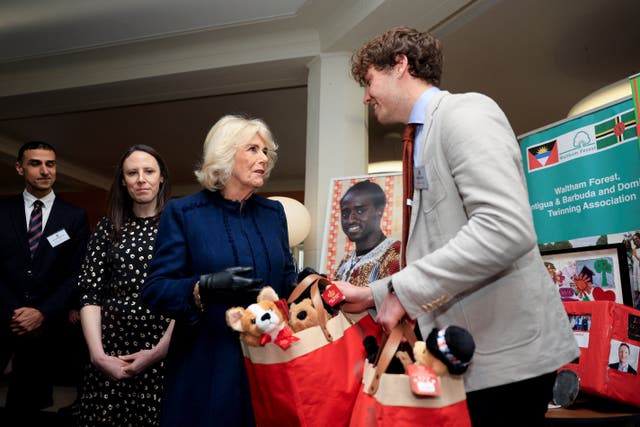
(423, 52)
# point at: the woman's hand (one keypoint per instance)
(229, 282)
(111, 366)
(140, 361)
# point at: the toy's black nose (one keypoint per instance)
(265, 316)
(302, 315)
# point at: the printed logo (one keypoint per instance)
(543, 155)
(584, 141)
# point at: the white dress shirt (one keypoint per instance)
(47, 204)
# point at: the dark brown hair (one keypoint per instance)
(423, 52)
(120, 203)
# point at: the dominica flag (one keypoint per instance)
(617, 129)
(543, 155)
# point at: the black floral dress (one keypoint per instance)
(111, 277)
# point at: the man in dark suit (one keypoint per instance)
(43, 241)
(623, 360)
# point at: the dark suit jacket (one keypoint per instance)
(630, 370)
(47, 281)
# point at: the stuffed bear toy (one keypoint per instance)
(397, 365)
(262, 322)
(303, 315)
(321, 288)
(447, 350)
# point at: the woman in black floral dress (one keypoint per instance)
(123, 383)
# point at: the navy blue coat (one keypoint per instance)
(206, 383)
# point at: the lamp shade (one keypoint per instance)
(385, 167)
(298, 219)
(613, 92)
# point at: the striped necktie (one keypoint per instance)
(407, 186)
(35, 227)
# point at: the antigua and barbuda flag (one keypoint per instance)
(543, 155)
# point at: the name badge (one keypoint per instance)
(420, 178)
(58, 237)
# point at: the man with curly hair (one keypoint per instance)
(472, 258)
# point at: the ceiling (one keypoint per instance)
(94, 77)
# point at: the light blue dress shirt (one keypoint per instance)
(417, 117)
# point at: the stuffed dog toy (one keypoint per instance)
(303, 315)
(262, 322)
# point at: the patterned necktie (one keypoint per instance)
(407, 185)
(35, 227)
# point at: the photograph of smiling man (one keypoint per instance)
(365, 209)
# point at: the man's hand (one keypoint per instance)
(73, 316)
(357, 298)
(227, 283)
(390, 313)
(26, 320)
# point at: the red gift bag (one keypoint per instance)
(600, 327)
(387, 399)
(315, 381)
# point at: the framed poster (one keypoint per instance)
(335, 244)
(591, 273)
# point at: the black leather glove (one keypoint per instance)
(227, 283)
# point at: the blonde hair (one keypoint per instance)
(221, 144)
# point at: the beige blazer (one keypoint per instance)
(472, 252)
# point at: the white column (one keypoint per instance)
(336, 139)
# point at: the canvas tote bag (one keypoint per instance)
(315, 382)
(386, 400)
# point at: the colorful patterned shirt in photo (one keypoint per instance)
(379, 262)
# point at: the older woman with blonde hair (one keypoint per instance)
(214, 249)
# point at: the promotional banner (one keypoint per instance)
(635, 82)
(583, 174)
